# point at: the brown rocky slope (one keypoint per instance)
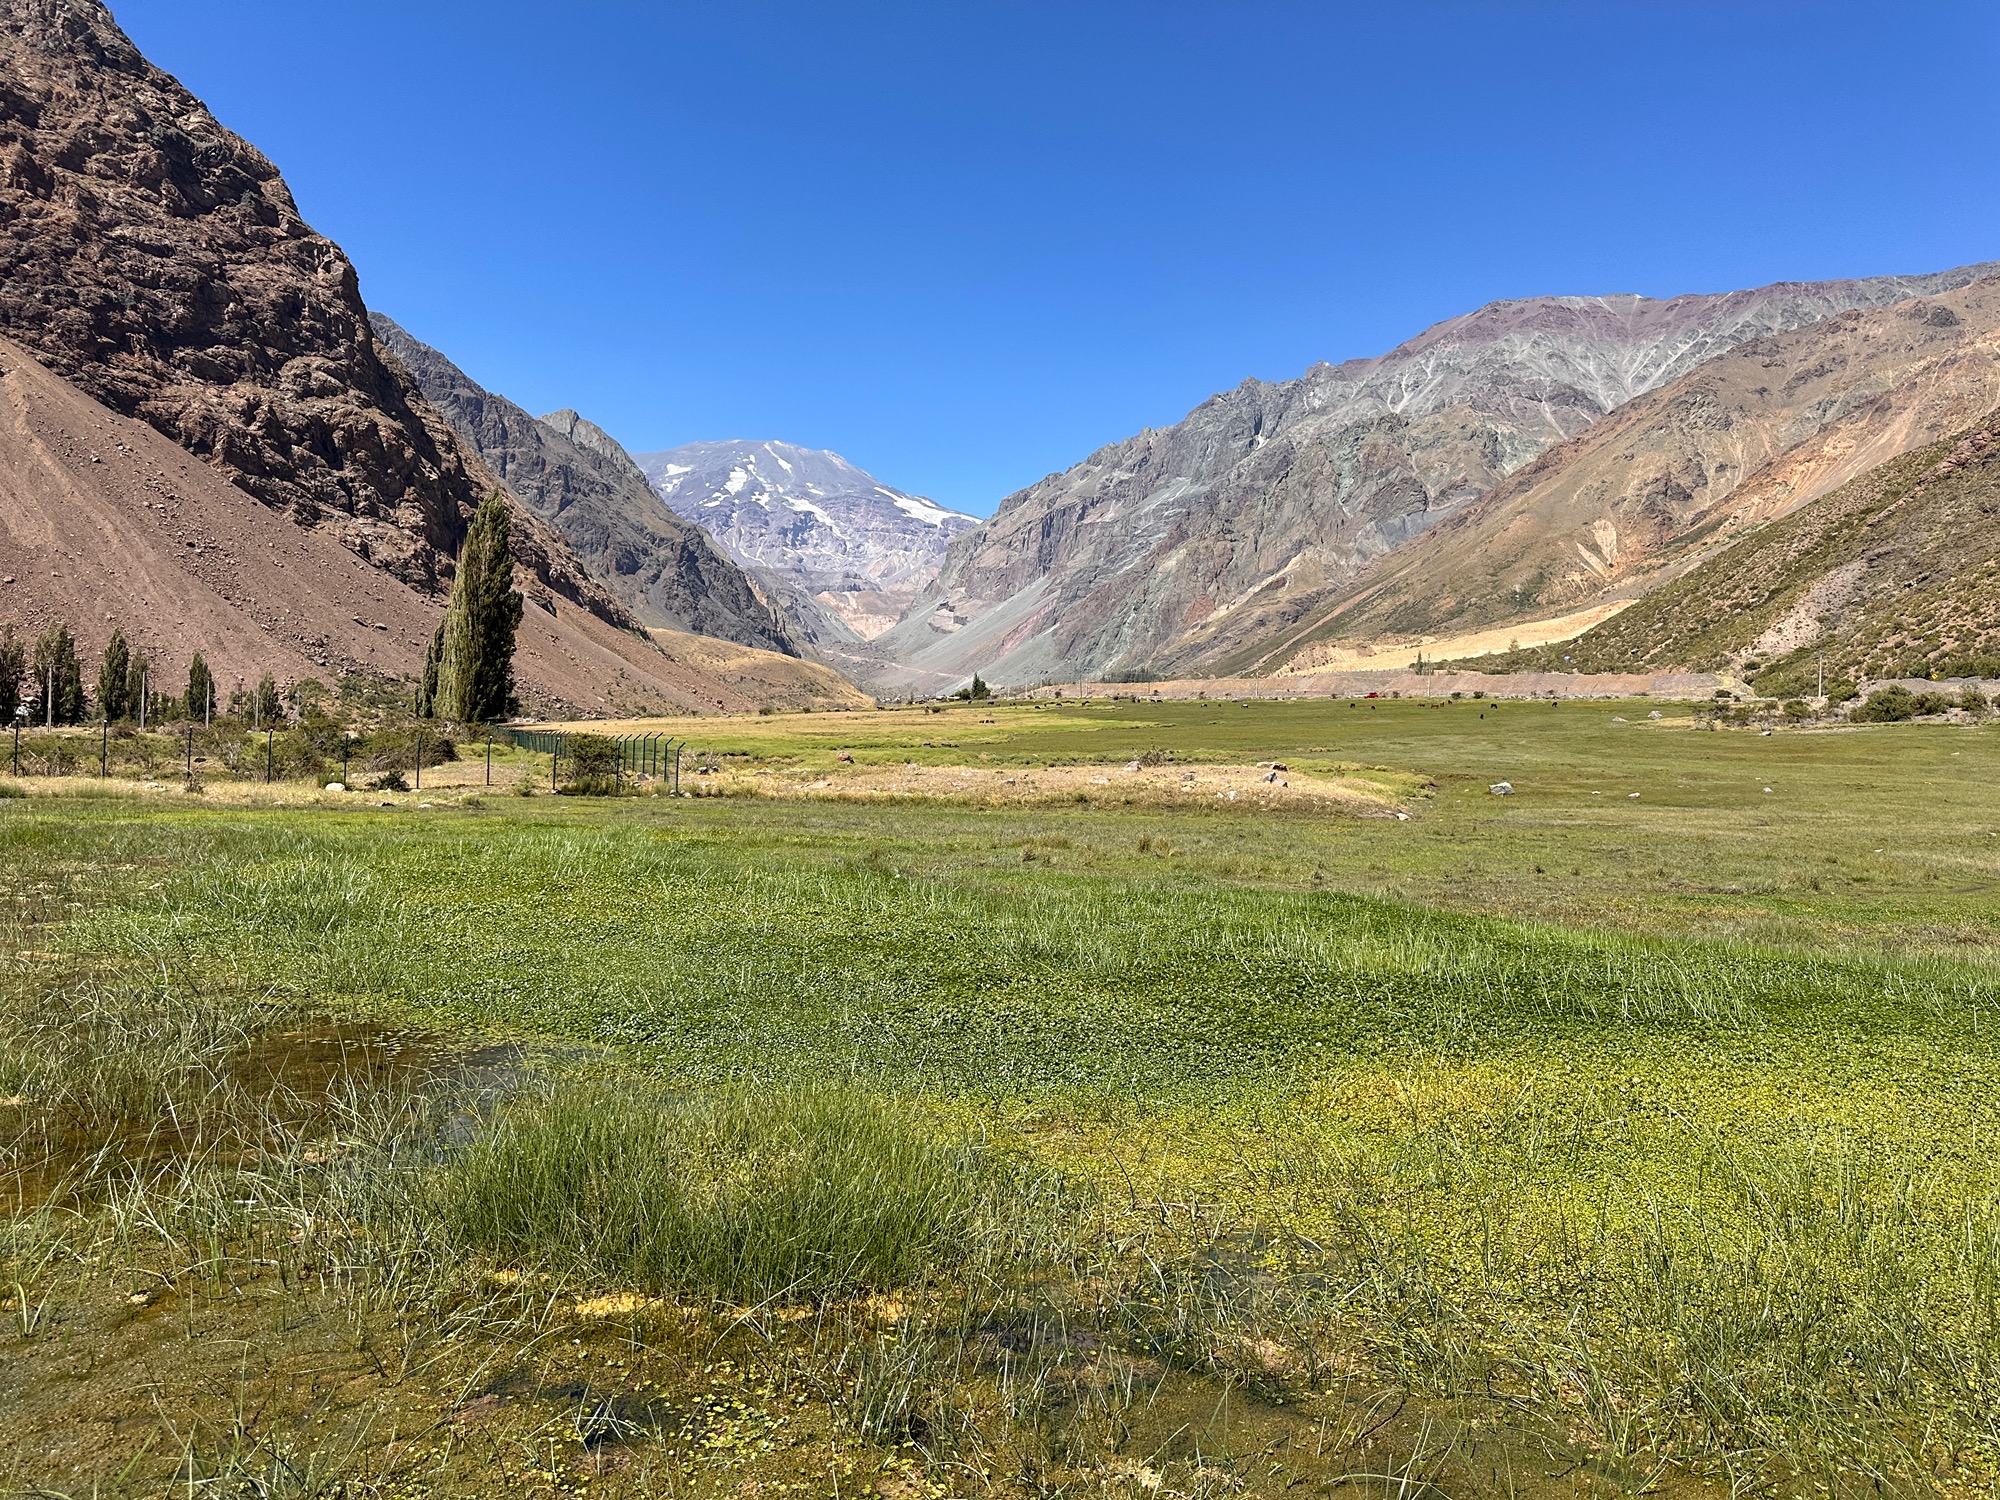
(108, 524)
(1669, 478)
(157, 263)
(1895, 574)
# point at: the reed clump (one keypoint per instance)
(786, 1193)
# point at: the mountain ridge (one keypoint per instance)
(667, 573)
(1301, 485)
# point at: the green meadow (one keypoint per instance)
(1634, 1132)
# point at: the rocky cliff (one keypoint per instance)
(154, 262)
(157, 262)
(1268, 500)
(573, 475)
(106, 524)
(823, 530)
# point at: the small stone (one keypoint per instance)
(336, 786)
(1502, 789)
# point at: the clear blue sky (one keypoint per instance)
(964, 243)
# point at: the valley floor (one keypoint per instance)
(1633, 1133)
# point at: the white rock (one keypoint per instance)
(1633, 795)
(1654, 714)
(336, 786)
(1502, 789)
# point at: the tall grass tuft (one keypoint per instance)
(789, 1193)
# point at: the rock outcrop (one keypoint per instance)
(832, 538)
(106, 524)
(1273, 494)
(571, 474)
(157, 262)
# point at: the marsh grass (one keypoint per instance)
(786, 1194)
(1283, 1184)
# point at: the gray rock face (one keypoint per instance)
(572, 474)
(832, 537)
(1134, 558)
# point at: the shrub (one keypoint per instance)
(803, 1192)
(394, 781)
(1895, 703)
(12, 789)
(1973, 701)
(1798, 708)
(590, 768)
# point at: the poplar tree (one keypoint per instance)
(137, 687)
(427, 687)
(270, 710)
(475, 668)
(13, 668)
(58, 677)
(201, 689)
(112, 702)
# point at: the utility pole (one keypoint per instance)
(489, 757)
(346, 740)
(49, 701)
(267, 754)
(17, 737)
(190, 776)
(1822, 672)
(145, 695)
(104, 752)
(420, 760)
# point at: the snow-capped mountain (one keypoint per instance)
(813, 522)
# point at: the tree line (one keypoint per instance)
(468, 674)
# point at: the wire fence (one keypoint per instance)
(654, 755)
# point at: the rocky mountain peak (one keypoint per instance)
(831, 536)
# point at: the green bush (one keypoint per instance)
(12, 789)
(1894, 703)
(803, 1192)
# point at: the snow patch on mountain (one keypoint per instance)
(819, 528)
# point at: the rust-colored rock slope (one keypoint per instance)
(104, 522)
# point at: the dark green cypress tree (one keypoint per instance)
(201, 689)
(13, 668)
(427, 686)
(270, 710)
(58, 677)
(476, 661)
(112, 702)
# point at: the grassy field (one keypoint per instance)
(1571, 1141)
